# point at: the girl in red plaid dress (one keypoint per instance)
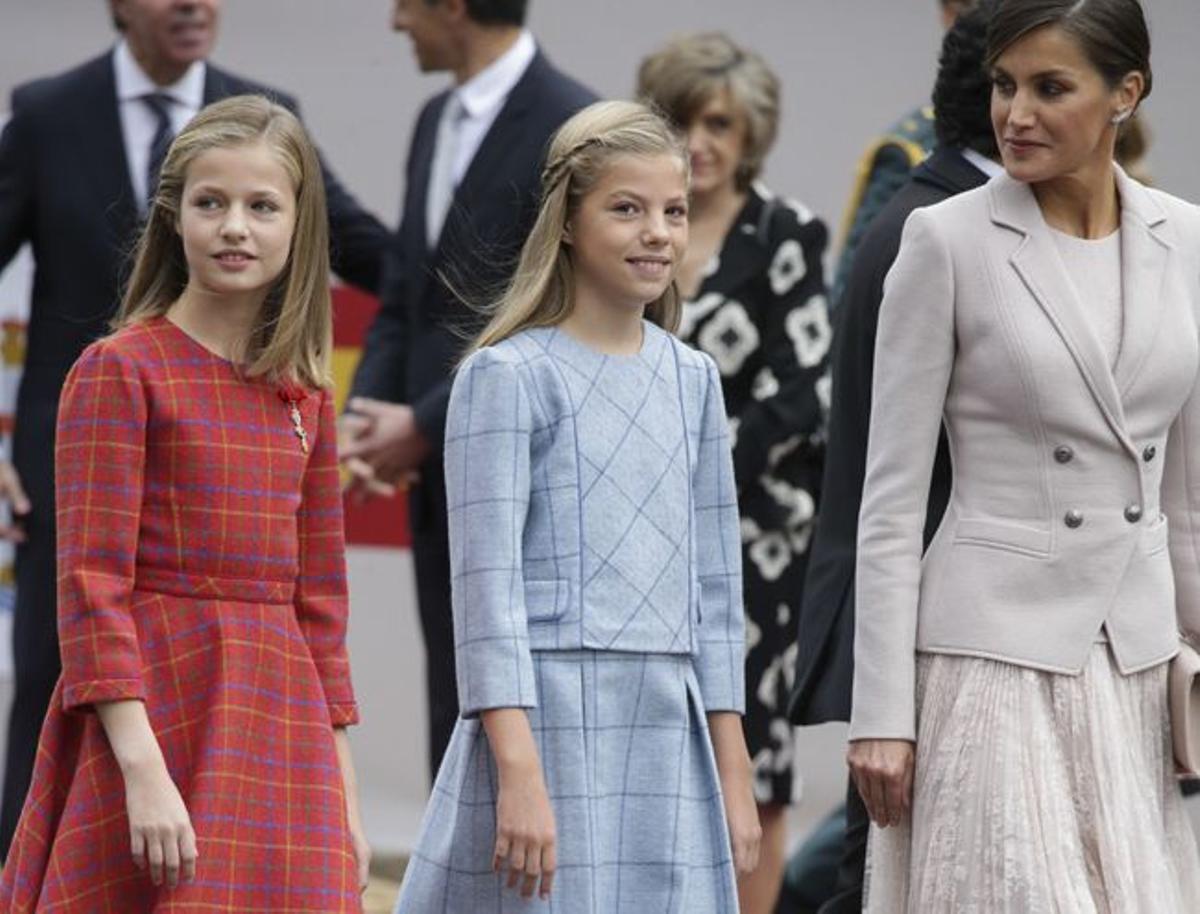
(195, 756)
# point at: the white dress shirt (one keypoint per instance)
(138, 123)
(466, 119)
(989, 167)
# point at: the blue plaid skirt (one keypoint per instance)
(629, 767)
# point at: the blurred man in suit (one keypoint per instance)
(78, 163)
(472, 183)
(965, 157)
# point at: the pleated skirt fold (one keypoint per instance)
(637, 802)
(1039, 793)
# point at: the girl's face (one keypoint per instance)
(236, 218)
(1052, 109)
(630, 231)
(716, 143)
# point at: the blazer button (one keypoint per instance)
(1063, 454)
(1149, 452)
(1133, 513)
(1073, 518)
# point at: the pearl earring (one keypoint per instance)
(1121, 116)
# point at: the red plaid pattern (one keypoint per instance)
(201, 569)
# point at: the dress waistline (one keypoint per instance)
(210, 587)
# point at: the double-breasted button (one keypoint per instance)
(1133, 513)
(1064, 454)
(1149, 452)
(1073, 518)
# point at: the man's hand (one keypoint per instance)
(381, 445)
(12, 492)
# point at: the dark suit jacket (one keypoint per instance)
(825, 659)
(65, 188)
(423, 324)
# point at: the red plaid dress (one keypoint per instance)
(201, 569)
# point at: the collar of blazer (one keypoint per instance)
(484, 169)
(1144, 254)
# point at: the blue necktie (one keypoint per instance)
(160, 106)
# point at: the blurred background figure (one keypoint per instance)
(827, 872)
(755, 301)
(885, 167)
(78, 164)
(470, 200)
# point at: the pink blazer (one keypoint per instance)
(1067, 473)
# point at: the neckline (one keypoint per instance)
(580, 346)
(192, 342)
(1068, 238)
(743, 218)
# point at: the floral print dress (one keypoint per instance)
(761, 313)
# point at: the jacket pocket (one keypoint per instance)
(1004, 535)
(545, 601)
(1154, 537)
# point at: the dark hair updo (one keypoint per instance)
(1112, 33)
(963, 91)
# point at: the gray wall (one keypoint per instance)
(849, 67)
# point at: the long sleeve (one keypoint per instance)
(381, 371)
(488, 435)
(358, 242)
(16, 185)
(914, 357)
(99, 465)
(796, 337)
(720, 666)
(383, 368)
(321, 600)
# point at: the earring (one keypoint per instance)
(1121, 116)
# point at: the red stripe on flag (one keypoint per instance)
(377, 521)
(353, 312)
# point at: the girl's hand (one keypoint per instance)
(526, 841)
(160, 829)
(362, 850)
(883, 770)
(737, 789)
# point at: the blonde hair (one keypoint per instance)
(542, 288)
(292, 339)
(691, 70)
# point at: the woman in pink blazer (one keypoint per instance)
(1010, 718)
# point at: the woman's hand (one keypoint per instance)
(526, 838)
(737, 789)
(358, 838)
(160, 829)
(883, 770)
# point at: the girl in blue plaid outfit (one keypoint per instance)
(599, 758)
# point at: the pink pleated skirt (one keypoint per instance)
(1039, 793)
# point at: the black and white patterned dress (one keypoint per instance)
(761, 313)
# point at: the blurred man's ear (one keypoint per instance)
(952, 9)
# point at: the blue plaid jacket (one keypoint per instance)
(592, 505)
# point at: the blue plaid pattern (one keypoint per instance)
(592, 505)
(596, 582)
(631, 776)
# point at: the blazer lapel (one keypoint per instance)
(496, 142)
(1144, 256)
(423, 150)
(1037, 262)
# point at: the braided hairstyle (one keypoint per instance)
(542, 288)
